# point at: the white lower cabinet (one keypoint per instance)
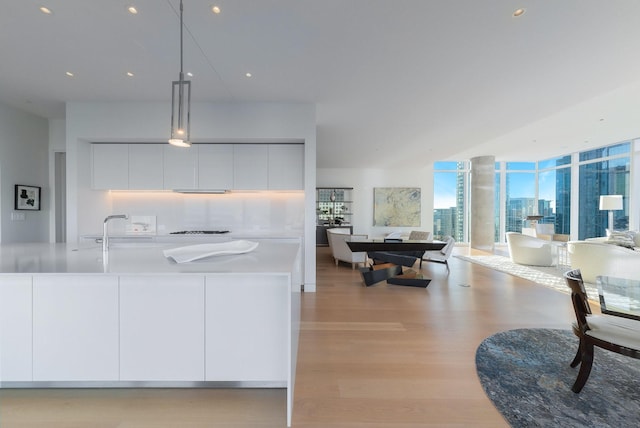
(247, 328)
(162, 328)
(75, 328)
(15, 325)
(102, 328)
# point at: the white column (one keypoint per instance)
(482, 203)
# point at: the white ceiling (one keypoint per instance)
(396, 82)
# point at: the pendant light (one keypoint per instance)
(180, 104)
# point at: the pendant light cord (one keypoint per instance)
(181, 26)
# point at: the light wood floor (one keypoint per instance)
(383, 356)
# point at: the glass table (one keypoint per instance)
(619, 296)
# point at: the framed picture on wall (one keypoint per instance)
(27, 197)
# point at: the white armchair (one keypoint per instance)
(440, 256)
(338, 239)
(527, 250)
(595, 258)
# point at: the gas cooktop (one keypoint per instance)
(199, 232)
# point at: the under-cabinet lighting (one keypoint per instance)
(206, 191)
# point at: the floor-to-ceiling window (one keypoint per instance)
(520, 194)
(603, 171)
(554, 193)
(449, 200)
(496, 204)
(542, 188)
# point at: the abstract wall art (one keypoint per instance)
(396, 206)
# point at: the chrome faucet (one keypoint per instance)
(105, 235)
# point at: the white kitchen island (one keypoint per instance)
(71, 318)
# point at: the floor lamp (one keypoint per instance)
(610, 203)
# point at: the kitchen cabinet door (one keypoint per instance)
(16, 327)
(215, 166)
(180, 167)
(250, 166)
(286, 166)
(75, 328)
(161, 328)
(247, 328)
(145, 166)
(110, 166)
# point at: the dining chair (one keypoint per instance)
(419, 235)
(613, 333)
(440, 256)
(340, 250)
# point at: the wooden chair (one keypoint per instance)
(615, 334)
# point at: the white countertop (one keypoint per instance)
(180, 238)
(140, 258)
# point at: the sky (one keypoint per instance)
(521, 185)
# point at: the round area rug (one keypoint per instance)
(526, 374)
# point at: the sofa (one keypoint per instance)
(531, 251)
(596, 257)
(338, 238)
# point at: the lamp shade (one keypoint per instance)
(611, 202)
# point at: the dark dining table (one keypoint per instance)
(619, 296)
(390, 256)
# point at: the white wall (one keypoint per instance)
(210, 122)
(364, 181)
(57, 144)
(23, 160)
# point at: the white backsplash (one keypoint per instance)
(141, 225)
(260, 213)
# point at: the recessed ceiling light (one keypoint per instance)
(519, 12)
(45, 10)
(132, 10)
(68, 73)
(130, 74)
(216, 9)
(248, 75)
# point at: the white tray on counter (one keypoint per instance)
(191, 253)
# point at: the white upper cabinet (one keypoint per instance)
(250, 166)
(215, 166)
(150, 166)
(145, 166)
(110, 166)
(286, 166)
(180, 167)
